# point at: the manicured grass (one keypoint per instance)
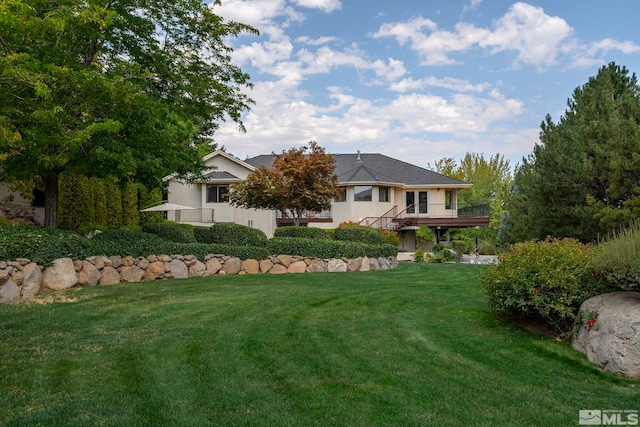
(411, 346)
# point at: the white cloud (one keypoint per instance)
(317, 41)
(258, 14)
(457, 85)
(536, 37)
(472, 5)
(327, 6)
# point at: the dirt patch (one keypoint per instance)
(50, 299)
(537, 326)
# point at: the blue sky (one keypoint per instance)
(419, 80)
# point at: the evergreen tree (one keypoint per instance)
(583, 178)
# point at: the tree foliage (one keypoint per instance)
(583, 178)
(129, 89)
(491, 179)
(300, 180)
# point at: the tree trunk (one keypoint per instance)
(51, 200)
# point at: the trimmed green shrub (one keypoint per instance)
(304, 232)
(548, 279)
(618, 259)
(114, 203)
(41, 244)
(418, 256)
(171, 231)
(99, 201)
(130, 214)
(320, 248)
(358, 234)
(231, 234)
(138, 243)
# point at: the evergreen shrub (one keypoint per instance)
(305, 232)
(358, 233)
(548, 279)
(171, 231)
(231, 234)
(320, 248)
(41, 244)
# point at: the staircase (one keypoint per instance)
(398, 223)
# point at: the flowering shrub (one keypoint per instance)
(548, 279)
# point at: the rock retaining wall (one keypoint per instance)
(22, 279)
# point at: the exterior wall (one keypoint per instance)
(195, 195)
(16, 198)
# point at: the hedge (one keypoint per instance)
(304, 232)
(41, 244)
(138, 243)
(320, 248)
(358, 234)
(230, 234)
(171, 231)
(44, 245)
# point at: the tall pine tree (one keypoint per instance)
(583, 178)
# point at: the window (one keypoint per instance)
(363, 193)
(383, 195)
(217, 193)
(343, 195)
(450, 199)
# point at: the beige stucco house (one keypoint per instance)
(377, 190)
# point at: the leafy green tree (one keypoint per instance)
(298, 182)
(491, 179)
(583, 178)
(124, 88)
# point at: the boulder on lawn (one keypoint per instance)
(610, 332)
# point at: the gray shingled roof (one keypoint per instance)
(220, 175)
(374, 167)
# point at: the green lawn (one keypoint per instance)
(412, 346)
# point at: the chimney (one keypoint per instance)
(359, 159)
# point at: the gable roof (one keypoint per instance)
(217, 175)
(374, 168)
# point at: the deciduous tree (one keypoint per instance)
(122, 88)
(300, 180)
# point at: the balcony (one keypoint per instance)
(431, 215)
(203, 216)
(305, 219)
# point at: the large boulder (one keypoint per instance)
(297, 267)
(31, 280)
(131, 274)
(212, 266)
(250, 266)
(179, 269)
(610, 332)
(154, 271)
(60, 276)
(89, 274)
(232, 266)
(110, 276)
(336, 265)
(9, 292)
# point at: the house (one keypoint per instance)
(376, 190)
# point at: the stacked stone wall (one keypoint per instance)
(22, 279)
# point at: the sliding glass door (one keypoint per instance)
(417, 201)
